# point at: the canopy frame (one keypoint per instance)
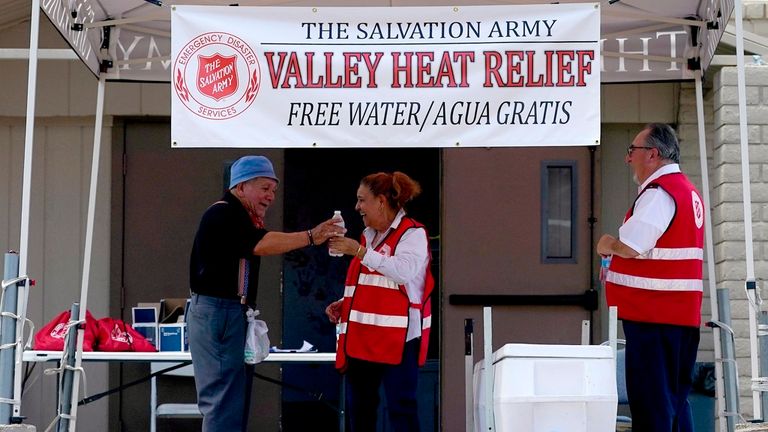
(34, 53)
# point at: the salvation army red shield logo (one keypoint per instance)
(216, 75)
(698, 209)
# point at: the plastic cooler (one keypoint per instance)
(549, 388)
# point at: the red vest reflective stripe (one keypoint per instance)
(374, 313)
(664, 285)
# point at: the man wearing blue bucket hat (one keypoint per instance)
(224, 270)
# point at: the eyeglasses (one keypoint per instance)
(632, 148)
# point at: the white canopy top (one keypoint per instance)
(642, 40)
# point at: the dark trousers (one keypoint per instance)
(363, 381)
(659, 368)
(216, 341)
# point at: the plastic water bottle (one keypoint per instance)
(338, 332)
(605, 262)
(337, 215)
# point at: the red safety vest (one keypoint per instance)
(374, 313)
(664, 285)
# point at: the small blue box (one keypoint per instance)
(149, 331)
(144, 315)
(172, 337)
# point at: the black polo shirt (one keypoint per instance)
(226, 234)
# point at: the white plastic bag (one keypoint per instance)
(256, 339)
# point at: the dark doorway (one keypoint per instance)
(317, 182)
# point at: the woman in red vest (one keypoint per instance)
(384, 316)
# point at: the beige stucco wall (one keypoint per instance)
(66, 88)
(60, 185)
(58, 209)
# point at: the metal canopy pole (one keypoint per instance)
(23, 293)
(490, 425)
(710, 251)
(747, 201)
(68, 376)
(88, 252)
(42, 54)
(469, 363)
(8, 347)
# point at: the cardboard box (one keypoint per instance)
(173, 337)
(172, 310)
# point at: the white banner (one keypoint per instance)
(479, 76)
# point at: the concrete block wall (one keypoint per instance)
(755, 14)
(727, 204)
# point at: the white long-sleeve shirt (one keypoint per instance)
(408, 266)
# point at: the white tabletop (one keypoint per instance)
(173, 356)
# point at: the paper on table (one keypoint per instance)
(305, 347)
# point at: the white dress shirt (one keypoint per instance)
(652, 214)
(408, 266)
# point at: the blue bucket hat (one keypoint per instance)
(250, 167)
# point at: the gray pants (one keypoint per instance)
(216, 338)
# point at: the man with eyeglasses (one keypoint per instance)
(655, 280)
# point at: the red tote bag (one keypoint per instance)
(114, 335)
(51, 336)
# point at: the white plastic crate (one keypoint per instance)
(550, 388)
